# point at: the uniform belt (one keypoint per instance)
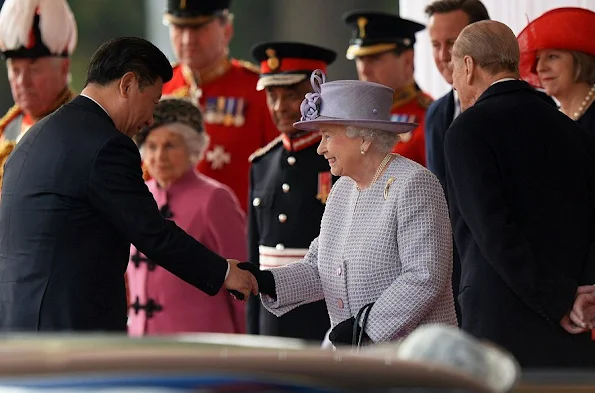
(271, 257)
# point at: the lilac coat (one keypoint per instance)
(208, 211)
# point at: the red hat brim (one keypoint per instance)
(566, 28)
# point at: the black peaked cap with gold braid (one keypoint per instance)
(194, 12)
(377, 32)
(288, 63)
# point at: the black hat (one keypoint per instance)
(194, 12)
(377, 32)
(288, 63)
(34, 29)
(170, 111)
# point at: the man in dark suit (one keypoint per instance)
(289, 184)
(447, 19)
(74, 199)
(519, 177)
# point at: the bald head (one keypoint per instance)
(491, 44)
(484, 52)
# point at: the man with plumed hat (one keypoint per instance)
(382, 47)
(36, 39)
(235, 114)
(289, 184)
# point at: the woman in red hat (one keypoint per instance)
(558, 54)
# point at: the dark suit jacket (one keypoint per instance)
(520, 186)
(73, 200)
(303, 212)
(438, 118)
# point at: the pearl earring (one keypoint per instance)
(363, 152)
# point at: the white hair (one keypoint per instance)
(195, 142)
(383, 141)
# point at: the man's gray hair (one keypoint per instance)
(491, 44)
(383, 141)
(195, 142)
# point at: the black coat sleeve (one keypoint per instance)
(253, 305)
(476, 193)
(117, 190)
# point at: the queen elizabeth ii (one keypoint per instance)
(385, 242)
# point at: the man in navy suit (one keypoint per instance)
(74, 199)
(447, 19)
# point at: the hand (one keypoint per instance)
(583, 311)
(240, 281)
(570, 326)
(343, 332)
(265, 279)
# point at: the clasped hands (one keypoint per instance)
(582, 316)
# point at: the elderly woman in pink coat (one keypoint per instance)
(161, 303)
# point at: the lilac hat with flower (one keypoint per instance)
(349, 103)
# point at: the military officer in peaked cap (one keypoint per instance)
(289, 184)
(235, 114)
(382, 47)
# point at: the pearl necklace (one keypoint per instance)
(379, 170)
(584, 105)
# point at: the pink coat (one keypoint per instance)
(209, 211)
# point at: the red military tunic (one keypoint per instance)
(236, 117)
(409, 105)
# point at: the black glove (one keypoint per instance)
(265, 279)
(342, 334)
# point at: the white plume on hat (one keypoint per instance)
(56, 24)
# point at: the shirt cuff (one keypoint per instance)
(227, 272)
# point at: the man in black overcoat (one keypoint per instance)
(74, 199)
(519, 177)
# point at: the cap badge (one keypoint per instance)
(182, 4)
(273, 60)
(361, 24)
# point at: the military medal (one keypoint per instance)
(228, 119)
(210, 109)
(219, 110)
(239, 118)
(325, 183)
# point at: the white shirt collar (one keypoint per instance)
(92, 99)
(504, 80)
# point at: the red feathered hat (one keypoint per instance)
(566, 28)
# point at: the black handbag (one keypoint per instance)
(364, 312)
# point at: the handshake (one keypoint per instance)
(582, 316)
(245, 278)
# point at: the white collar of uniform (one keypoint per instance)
(98, 104)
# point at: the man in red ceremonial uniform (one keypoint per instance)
(235, 114)
(382, 47)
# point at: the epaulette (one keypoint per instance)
(424, 100)
(10, 115)
(249, 66)
(265, 149)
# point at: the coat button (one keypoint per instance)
(285, 187)
(340, 303)
(282, 218)
(280, 247)
(339, 271)
(291, 160)
(256, 202)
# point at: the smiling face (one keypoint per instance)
(444, 28)
(342, 152)
(165, 154)
(555, 69)
(284, 104)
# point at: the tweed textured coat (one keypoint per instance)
(395, 252)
